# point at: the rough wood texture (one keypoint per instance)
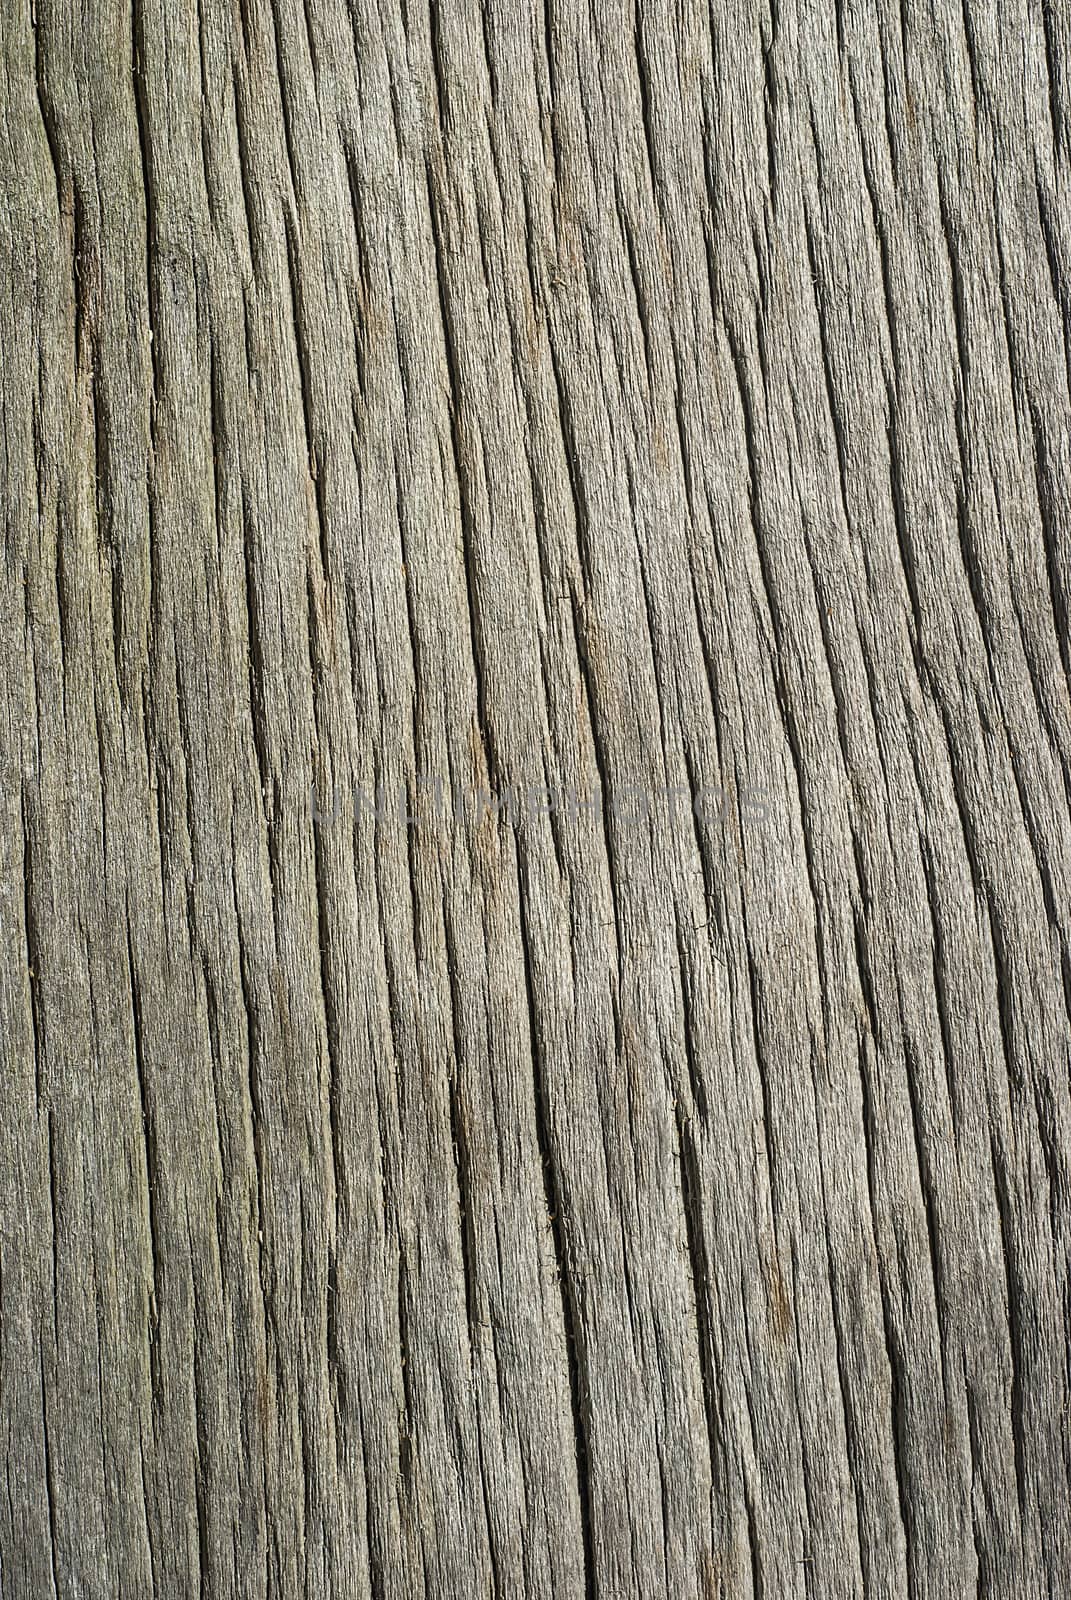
(406, 411)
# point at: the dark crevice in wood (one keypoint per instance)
(1017, 1314)
(701, 1283)
(557, 1211)
(56, 1564)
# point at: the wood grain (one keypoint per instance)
(536, 776)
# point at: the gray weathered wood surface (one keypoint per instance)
(661, 1198)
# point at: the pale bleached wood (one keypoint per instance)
(588, 1203)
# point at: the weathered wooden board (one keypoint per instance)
(536, 768)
